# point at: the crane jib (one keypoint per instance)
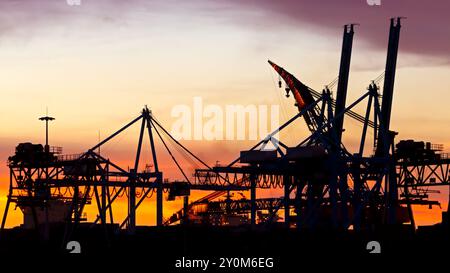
(302, 95)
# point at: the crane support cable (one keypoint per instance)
(350, 113)
(187, 150)
(170, 153)
(181, 145)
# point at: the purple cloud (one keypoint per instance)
(426, 30)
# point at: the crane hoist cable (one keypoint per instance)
(282, 102)
(301, 94)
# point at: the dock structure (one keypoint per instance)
(323, 184)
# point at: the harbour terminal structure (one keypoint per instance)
(325, 186)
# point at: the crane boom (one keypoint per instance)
(307, 94)
(302, 95)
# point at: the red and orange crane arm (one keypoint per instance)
(302, 95)
(300, 91)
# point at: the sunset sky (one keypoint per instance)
(95, 66)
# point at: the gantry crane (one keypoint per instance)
(323, 183)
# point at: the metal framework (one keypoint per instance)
(323, 184)
(40, 179)
(349, 188)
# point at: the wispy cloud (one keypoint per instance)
(425, 30)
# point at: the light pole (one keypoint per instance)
(46, 119)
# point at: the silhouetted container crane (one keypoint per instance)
(324, 185)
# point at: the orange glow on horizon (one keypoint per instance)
(95, 66)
